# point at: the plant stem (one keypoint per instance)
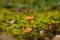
(27, 37)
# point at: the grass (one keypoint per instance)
(16, 29)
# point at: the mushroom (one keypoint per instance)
(30, 18)
(27, 31)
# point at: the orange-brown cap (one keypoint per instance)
(29, 17)
(27, 30)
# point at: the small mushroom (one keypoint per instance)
(27, 31)
(30, 18)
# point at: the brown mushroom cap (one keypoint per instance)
(29, 17)
(27, 30)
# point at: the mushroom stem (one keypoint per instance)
(29, 23)
(27, 36)
(29, 26)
